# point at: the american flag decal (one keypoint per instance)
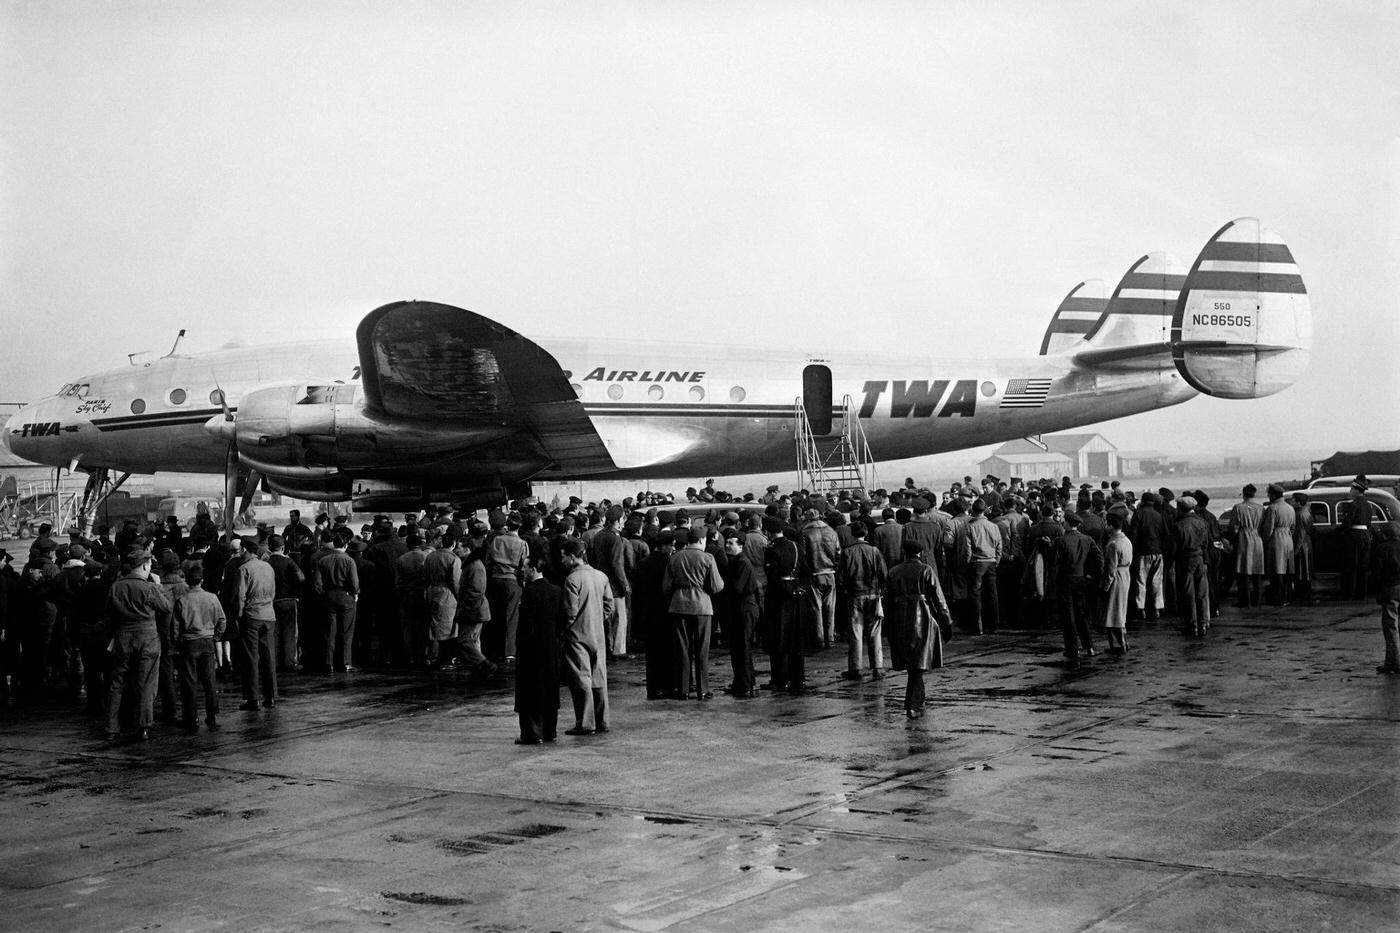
(1025, 393)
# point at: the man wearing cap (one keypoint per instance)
(254, 587)
(1354, 517)
(1276, 528)
(610, 553)
(198, 622)
(820, 552)
(932, 529)
(692, 577)
(587, 602)
(1191, 543)
(506, 554)
(133, 603)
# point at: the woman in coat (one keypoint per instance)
(1117, 581)
(1245, 518)
(916, 611)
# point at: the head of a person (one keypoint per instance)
(1249, 491)
(733, 546)
(1115, 521)
(571, 553)
(913, 550)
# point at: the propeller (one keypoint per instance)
(223, 428)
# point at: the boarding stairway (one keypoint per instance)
(827, 464)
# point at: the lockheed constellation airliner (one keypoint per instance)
(436, 403)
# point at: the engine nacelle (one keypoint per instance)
(331, 489)
(291, 430)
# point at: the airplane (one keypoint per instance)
(434, 403)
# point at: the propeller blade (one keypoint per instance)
(230, 488)
(249, 491)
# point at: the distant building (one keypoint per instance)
(1078, 456)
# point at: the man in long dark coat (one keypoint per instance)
(537, 656)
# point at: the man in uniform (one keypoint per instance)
(1192, 543)
(1354, 517)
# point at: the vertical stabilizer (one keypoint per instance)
(1242, 327)
(1076, 316)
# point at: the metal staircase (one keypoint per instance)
(826, 464)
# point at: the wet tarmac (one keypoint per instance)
(1244, 782)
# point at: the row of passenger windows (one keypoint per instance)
(176, 397)
(615, 392)
(656, 393)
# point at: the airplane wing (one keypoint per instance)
(424, 361)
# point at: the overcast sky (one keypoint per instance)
(926, 175)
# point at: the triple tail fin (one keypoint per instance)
(1237, 325)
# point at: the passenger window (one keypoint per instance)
(178, 396)
(216, 397)
(138, 406)
(697, 394)
(614, 392)
(737, 394)
(1319, 513)
(655, 393)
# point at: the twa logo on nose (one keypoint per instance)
(41, 429)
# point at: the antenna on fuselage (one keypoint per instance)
(131, 357)
(178, 337)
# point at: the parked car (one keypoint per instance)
(1329, 537)
(1329, 547)
(187, 508)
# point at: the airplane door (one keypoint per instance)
(816, 397)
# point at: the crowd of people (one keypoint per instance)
(137, 624)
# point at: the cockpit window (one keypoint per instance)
(75, 390)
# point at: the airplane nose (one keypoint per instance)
(12, 425)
